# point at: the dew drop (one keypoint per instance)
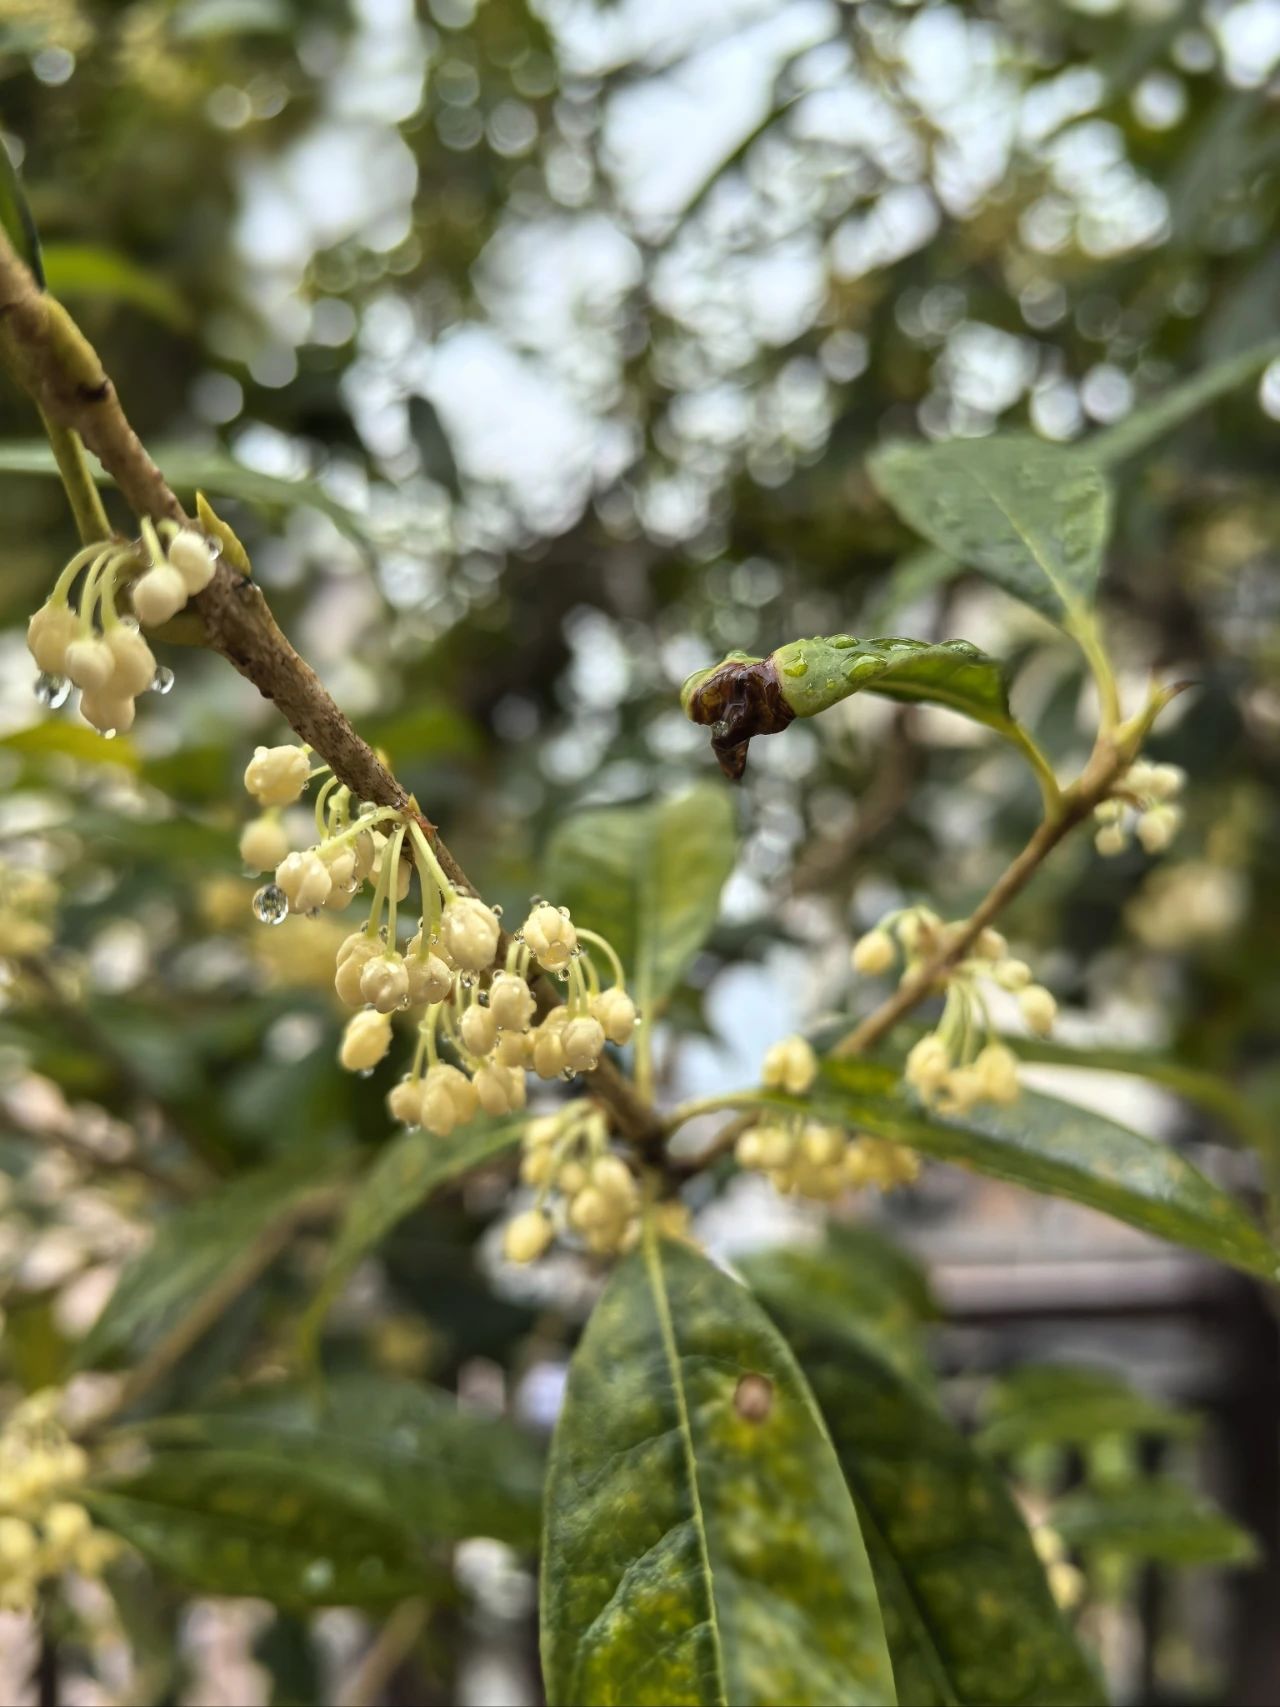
(162, 681)
(214, 544)
(271, 905)
(364, 1072)
(496, 910)
(52, 690)
(109, 734)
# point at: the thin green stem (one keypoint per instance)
(686, 1111)
(1038, 760)
(392, 853)
(1085, 630)
(437, 870)
(91, 519)
(606, 948)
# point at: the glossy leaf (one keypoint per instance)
(231, 1523)
(69, 740)
(701, 1546)
(1157, 1519)
(968, 1612)
(79, 271)
(648, 878)
(396, 1448)
(1058, 1148)
(817, 673)
(1062, 1405)
(1030, 516)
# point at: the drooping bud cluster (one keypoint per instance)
(583, 1191)
(961, 1063)
(92, 646)
(477, 1007)
(27, 901)
(44, 1530)
(807, 1158)
(1142, 803)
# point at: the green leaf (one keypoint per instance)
(1030, 516)
(15, 215)
(857, 1282)
(245, 1221)
(701, 1546)
(404, 1174)
(968, 1612)
(230, 1523)
(399, 1450)
(1057, 1148)
(71, 741)
(1157, 1519)
(815, 674)
(1060, 1405)
(648, 878)
(1138, 431)
(86, 270)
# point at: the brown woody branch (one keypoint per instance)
(55, 364)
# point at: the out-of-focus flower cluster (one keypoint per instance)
(1141, 803)
(44, 1530)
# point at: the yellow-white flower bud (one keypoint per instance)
(191, 557)
(747, 1151)
(90, 664)
(513, 1048)
(790, 1066)
(430, 980)
(305, 880)
(159, 595)
(550, 936)
(365, 850)
(548, 1053)
(537, 1166)
(384, 983)
(928, 1064)
(1038, 1009)
(1109, 811)
(264, 842)
(401, 877)
(589, 1209)
(18, 1544)
(997, 1070)
(112, 713)
(457, 1086)
(365, 1041)
(611, 1176)
(819, 1146)
(404, 1101)
(991, 945)
(777, 1145)
(135, 662)
(1111, 840)
(436, 1111)
(340, 857)
(873, 953)
(1157, 827)
(583, 1042)
(50, 631)
(276, 776)
(1166, 781)
(493, 1089)
(1012, 974)
(469, 930)
(64, 1525)
(526, 1236)
(351, 965)
(616, 1013)
(357, 943)
(511, 1002)
(479, 1030)
(917, 928)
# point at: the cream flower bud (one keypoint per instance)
(537, 1166)
(821, 1145)
(340, 857)
(351, 964)
(479, 1030)
(1012, 974)
(404, 1101)
(1166, 781)
(1157, 827)
(526, 1236)
(617, 1014)
(590, 1209)
(991, 945)
(611, 1176)
(264, 842)
(276, 776)
(18, 1543)
(384, 983)
(873, 953)
(1111, 840)
(135, 662)
(513, 1048)
(90, 663)
(365, 851)
(430, 980)
(50, 631)
(469, 930)
(1109, 811)
(961, 1090)
(112, 714)
(1038, 1009)
(159, 595)
(64, 1525)
(359, 942)
(583, 1042)
(191, 557)
(511, 1002)
(402, 875)
(365, 1041)
(548, 1054)
(550, 936)
(928, 1063)
(493, 1090)
(747, 1151)
(776, 1146)
(305, 879)
(436, 1111)
(790, 1065)
(997, 1070)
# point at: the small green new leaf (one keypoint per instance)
(1030, 516)
(648, 878)
(701, 1546)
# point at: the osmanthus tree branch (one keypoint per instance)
(56, 365)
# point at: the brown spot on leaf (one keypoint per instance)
(753, 1398)
(741, 699)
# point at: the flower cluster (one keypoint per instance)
(1142, 799)
(43, 1531)
(808, 1158)
(961, 1063)
(27, 901)
(91, 645)
(476, 1000)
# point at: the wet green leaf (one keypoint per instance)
(701, 1545)
(78, 271)
(56, 736)
(1157, 1519)
(968, 1612)
(1030, 516)
(1062, 1405)
(225, 1522)
(396, 1448)
(648, 878)
(815, 674)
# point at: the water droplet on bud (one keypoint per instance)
(271, 905)
(162, 681)
(364, 1073)
(496, 910)
(52, 690)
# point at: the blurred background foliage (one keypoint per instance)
(535, 353)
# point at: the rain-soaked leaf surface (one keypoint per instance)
(967, 1610)
(700, 1543)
